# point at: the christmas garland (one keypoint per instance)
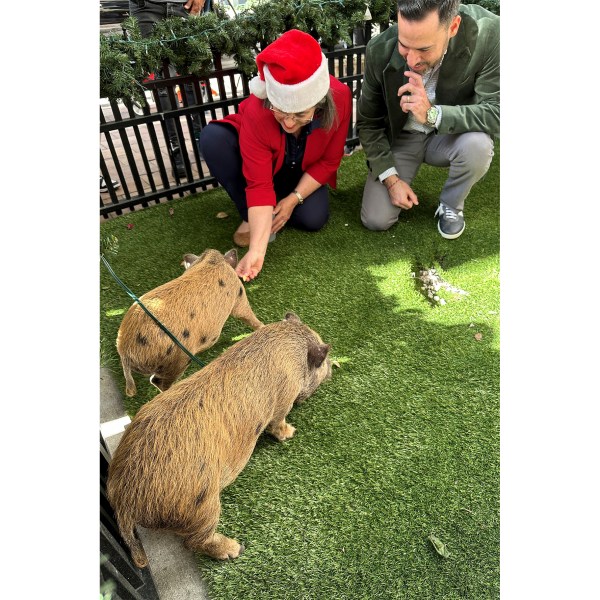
(126, 59)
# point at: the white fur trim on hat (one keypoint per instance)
(299, 96)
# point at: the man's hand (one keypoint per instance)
(401, 194)
(194, 6)
(413, 97)
(249, 267)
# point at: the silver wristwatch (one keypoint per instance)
(432, 116)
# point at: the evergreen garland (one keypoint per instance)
(190, 43)
(382, 11)
(127, 59)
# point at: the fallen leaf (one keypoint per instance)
(129, 225)
(478, 337)
(439, 546)
(171, 211)
(336, 363)
(221, 215)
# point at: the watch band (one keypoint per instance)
(299, 196)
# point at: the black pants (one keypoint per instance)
(220, 147)
(149, 13)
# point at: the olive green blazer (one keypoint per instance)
(468, 88)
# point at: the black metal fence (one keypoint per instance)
(150, 151)
(117, 571)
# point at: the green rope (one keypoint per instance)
(136, 299)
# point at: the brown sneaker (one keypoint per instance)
(241, 239)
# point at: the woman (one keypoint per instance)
(276, 156)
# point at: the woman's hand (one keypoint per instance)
(283, 211)
(259, 219)
(249, 267)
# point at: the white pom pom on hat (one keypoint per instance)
(292, 72)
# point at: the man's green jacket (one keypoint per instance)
(468, 88)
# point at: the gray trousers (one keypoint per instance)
(467, 155)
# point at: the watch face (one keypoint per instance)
(432, 115)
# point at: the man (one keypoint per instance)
(148, 13)
(431, 93)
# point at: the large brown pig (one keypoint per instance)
(188, 443)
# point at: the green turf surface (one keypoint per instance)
(402, 443)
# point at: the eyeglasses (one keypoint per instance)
(299, 119)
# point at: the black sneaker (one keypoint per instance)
(451, 223)
(179, 167)
(104, 187)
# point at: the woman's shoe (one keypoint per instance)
(241, 239)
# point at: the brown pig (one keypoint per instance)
(193, 307)
(188, 443)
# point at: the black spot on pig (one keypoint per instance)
(186, 333)
(221, 283)
(203, 339)
(192, 315)
(241, 291)
(170, 349)
(258, 428)
(200, 496)
(142, 340)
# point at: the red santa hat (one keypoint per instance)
(292, 72)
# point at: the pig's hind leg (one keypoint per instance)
(205, 539)
(130, 387)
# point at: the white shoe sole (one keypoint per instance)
(451, 236)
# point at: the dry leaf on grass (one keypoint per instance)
(439, 546)
(335, 363)
(171, 211)
(222, 215)
(478, 337)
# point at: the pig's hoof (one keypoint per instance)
(223, 548)
(285, 433)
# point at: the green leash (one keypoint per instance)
(136, 299)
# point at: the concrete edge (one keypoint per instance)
(173, 567)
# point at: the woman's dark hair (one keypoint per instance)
(325, 110)
(416, 10)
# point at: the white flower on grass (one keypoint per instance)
(433, 283)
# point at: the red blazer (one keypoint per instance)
(262, 145)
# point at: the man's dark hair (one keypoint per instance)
(416, 10)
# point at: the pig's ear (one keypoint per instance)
(189, 260)
(317, 354)
(232, 258)
(291, 316)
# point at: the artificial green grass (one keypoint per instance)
(401, 443)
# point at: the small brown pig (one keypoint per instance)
(193, 307)
(188, 443)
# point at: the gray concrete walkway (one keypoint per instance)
(173, 567)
